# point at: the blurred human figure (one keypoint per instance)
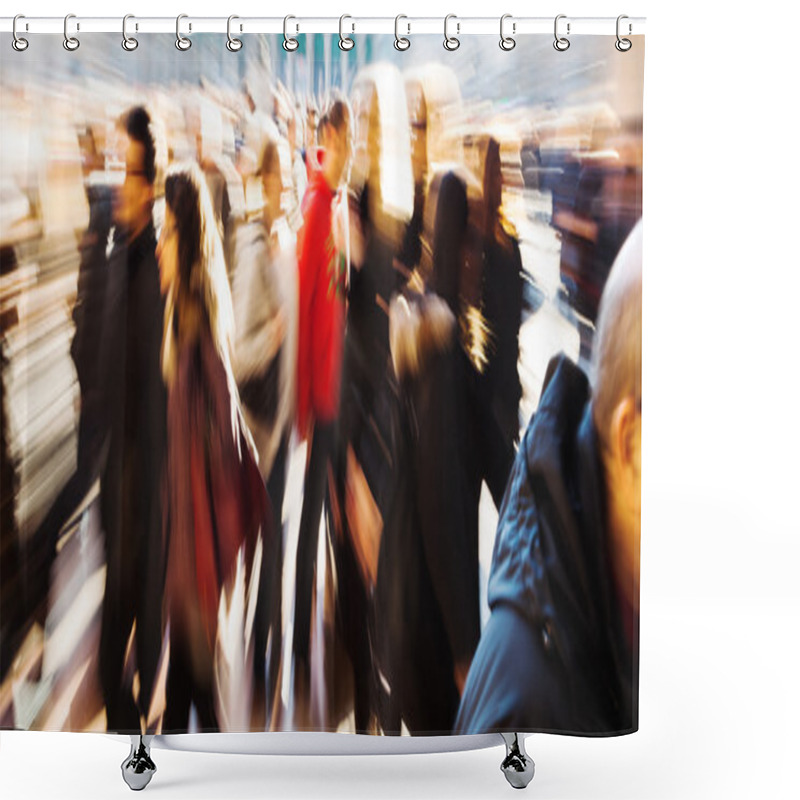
(595, 206)
(428, 590)
(560, 650)
(433, 99)
(296, 133)
(223, 181)
(295, 174)
(321, 309)
(134, 408)
(264, 362)
(88, 311)
(85, 349)
(380, 205)
(18, 593)
(411, 249)
(383, 187)
(502, 308)
(310, 148)
(216, 500)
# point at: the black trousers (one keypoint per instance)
(40, 551)
(183, 691)
(268, 608)
(322, 445)
(122, 603)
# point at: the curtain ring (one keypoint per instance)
(289, 44)
(233, 44)
(18, 43)
(129, 43)
(345, 42)
(561, 43)
(400, 42)
(507, 42)
(623, 45)
(451, 42)
(70, 42)
(181, 42)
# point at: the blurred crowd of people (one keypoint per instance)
(260, 274)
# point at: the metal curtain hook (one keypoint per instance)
(181, 42)
(400, 42)
(561, 43)
(233, 44)
(129, 43)
(451, 42)
(18, 43)
(70, 42)
(623, 45)
(507, 42)
(345, 42)
(289, 44)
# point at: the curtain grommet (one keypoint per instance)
(561, 43)
(182, 42)
(71, 43)
(451, 43)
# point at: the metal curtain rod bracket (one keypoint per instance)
(253, 25)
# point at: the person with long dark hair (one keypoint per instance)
(217, 504)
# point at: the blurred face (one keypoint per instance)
(134, 198)
(417, 114)
(167, 252)
(272, 188)
(634, 534)
(374, 140)
(623, 462)
(494, 181)
(311, 127)
(338, 145)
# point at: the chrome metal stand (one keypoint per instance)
(138, 768)
(518, 766)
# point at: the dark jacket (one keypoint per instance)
(88, 316)
(92, 274)
(134, 418)
(427, 593)
(502, 307)
(554, 656)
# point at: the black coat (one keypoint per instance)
(502, 307)
(88, 316)
(554, 656)
(131, 480)
(427, 595)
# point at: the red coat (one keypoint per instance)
(321, 309)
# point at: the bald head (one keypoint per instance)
(617, 407)
(617, 358)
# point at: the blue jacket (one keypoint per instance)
(554, 656)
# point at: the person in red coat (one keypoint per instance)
(321, 318)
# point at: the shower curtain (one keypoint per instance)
(321, 384)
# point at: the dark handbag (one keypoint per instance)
(259, 394)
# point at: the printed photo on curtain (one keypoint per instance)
(321, 385)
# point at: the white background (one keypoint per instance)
(721, 538)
